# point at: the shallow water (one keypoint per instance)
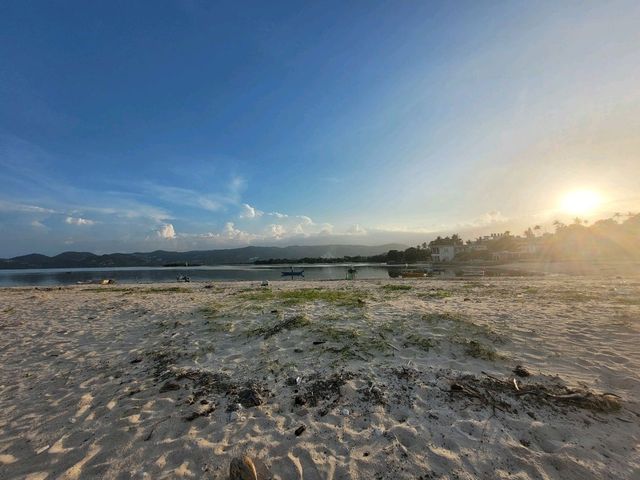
(56, 276)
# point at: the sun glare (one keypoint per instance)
(580, 202)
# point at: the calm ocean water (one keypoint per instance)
(59, 276)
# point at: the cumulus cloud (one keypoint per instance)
(79, 221)
(490, 218)
(356, 230)
(250, 212)
(166, 231)
(276, 231)
(229, 235)
(232, 233)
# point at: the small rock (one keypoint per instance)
(135, 360)
(201, 412)
(521, 371)
(191, 416)
(299, 400)
(242, 469)
(249, 397)
(345, 412)
(378, 432)
(169, 386)
(299, 430)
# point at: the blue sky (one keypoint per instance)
(131, 126)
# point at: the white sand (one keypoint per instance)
(73, 405)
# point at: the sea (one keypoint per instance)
(72, 276)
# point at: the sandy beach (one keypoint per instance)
(392, 379)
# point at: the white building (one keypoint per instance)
(443, 253)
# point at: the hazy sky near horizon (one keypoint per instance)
(128, 126)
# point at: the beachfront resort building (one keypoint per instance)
(498, 247)
(445, 249)
(443, 253)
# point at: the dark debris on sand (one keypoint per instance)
(537, 391)
(322, 389)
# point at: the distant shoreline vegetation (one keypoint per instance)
(322, 260)
(605, 239)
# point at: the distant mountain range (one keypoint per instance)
(198, 257)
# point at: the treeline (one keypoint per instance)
(313, 260)
(608, 239)
(410, 255)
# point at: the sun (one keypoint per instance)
(581, 202)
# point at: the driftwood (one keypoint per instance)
(486, 389)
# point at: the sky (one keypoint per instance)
(187, 124)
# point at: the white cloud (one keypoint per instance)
(166, 231)
(356, 230)
(79, 221)
(236, 186)
(24, 208)
(325, 229)
(38, 225)
(250, 212)
(278, 214)
(490, 218)
(276, 231)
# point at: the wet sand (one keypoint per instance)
(323, 380)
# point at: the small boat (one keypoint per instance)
(293, 273)
(413, 274)
(351, 273)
